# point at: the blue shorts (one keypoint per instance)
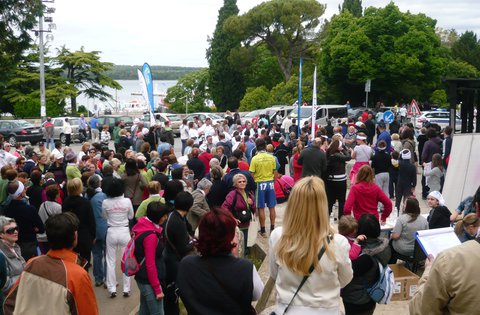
(265, 195)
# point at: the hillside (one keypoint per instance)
(124, 72)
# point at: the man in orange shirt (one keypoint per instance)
(56, 282)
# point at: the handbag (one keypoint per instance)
(244, 215)
(320, 254)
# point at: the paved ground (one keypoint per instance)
(121, 305)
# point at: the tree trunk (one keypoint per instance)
(73, 102)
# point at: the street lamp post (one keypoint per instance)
(43, 107)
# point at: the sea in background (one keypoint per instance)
(123, 99)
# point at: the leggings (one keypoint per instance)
(336, 190)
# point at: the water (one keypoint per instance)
(122, 98)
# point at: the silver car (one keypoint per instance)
(58, 126)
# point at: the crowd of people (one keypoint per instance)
(189, 214)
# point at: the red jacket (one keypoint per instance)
(363, 198)
(240, 204)
(297, 168)
(205, 157)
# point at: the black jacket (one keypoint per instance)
(336, 163)
(27, 220)
(439, 217)
(216, 285)
(381, 162)
(314, 162)
(177, 235)
(407, 174)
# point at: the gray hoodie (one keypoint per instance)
(14, 262)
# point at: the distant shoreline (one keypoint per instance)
(127, 72)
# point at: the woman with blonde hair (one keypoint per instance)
(307, 258)
(467, 228)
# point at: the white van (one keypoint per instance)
(323, 113)
(279, 112)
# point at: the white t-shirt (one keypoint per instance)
(117, 211)
(363, 153)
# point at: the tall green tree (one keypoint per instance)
(397, 51)
(23, 93)
(352, 6)
(467, 48)
(191, 89)
(226, 83)
(287, 27)
(17, 19)
(86, 73)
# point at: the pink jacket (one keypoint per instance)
(150, 246)
(363, 198)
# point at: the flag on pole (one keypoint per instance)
(146, 84)
(299, 95)
(314, 101)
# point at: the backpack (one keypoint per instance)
(382, 290)
(130, 265)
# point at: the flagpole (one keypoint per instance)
(299, 96)
(314, 101)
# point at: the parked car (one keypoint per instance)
(15, 131)
(251, 115)
(279, 112)
(161, 118)
(441, 118)
(356, 112)
(216, 119)
(58, 123)
(110, 120)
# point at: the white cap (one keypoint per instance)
(437, 195)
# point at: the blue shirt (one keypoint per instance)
(163, 146)
(100, 222)
(94, 123)
(385, 136)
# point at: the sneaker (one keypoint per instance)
(113, 295)
(99, 283)
(126, 294)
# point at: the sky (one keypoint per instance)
(175, 32)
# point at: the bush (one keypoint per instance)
(255, 98)
(30, 108)
(439, 97)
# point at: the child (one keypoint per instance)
(347, 226)
(396, 143)
(393, 172)
(435, 174)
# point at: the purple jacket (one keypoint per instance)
(240, 204)
(431, 147)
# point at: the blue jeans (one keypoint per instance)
(50, 144)
(184, 145)
(149, 305)
(99, 263)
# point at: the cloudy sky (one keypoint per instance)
(175, 32)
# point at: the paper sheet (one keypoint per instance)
(436, 240)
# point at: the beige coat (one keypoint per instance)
(199, 208)
(452, 284)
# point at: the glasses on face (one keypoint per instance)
(11, 230)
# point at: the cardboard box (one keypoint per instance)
(405, 283)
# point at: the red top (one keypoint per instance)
(297, 168)
(205, 157)
(363, 198)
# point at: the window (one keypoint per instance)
(337, 112)
(58, 122)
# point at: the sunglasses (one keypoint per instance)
(11, 230)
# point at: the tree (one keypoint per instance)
(352, 6)
(226, 83)
(86, 73)
(439, 97)
(397, 51)
(255, 98)
(287, 27)
(191, 89)
(460, 69)
(17, 19)
(22, 91)
(467, 48)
